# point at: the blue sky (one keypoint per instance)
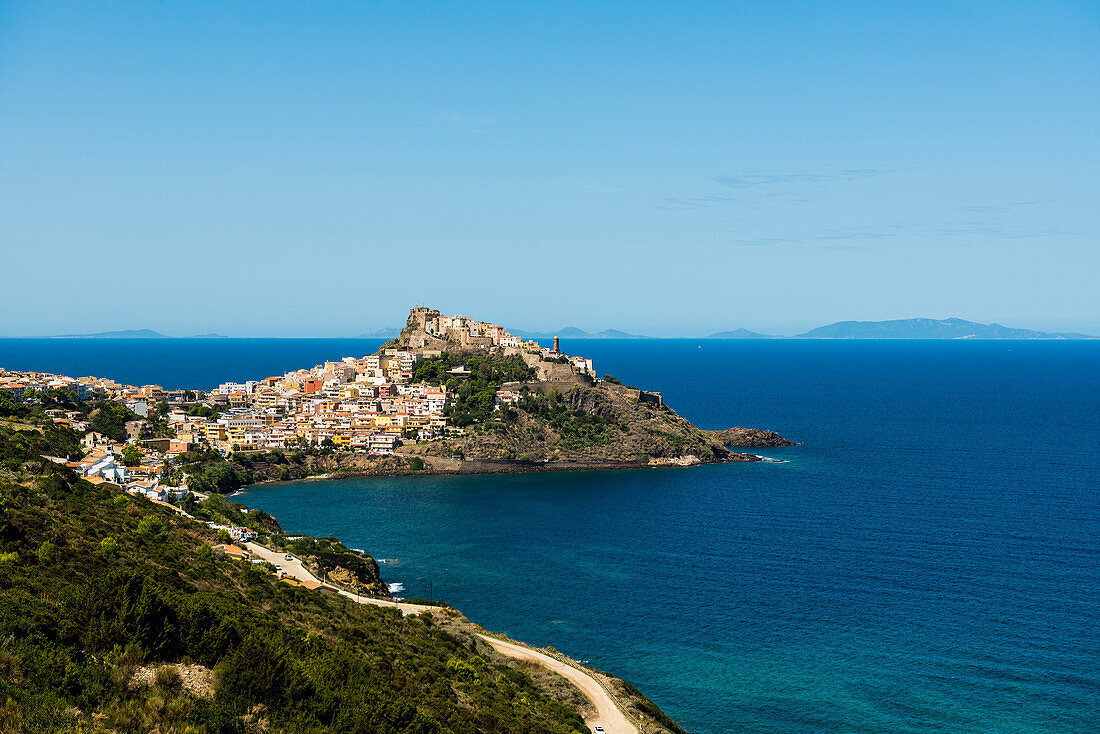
(314, 169)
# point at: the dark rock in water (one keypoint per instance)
(750, 438)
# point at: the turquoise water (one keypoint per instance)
(928, 560)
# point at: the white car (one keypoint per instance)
(288, 557)
(598, 729)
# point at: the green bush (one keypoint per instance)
(47, 553)
(109, 547)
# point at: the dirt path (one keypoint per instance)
(608, 714)
(296, 569)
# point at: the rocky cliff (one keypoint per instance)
(583, 425)
(738, 437)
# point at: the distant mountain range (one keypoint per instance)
(572, 332)
(896, 329)
(122, 334)
(126, 334)
(387, 333)
(909, 329)
(742, 334)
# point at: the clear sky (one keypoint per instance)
(314, 169)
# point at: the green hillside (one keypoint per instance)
(116, 615)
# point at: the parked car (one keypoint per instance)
(288, 557)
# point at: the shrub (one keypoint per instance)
(47, 553)
(168, 676)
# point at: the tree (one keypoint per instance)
(47, 552)
(110, 418)
(189, 503)
(131, 455)
(109, 547)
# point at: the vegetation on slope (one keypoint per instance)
(583, 424)
(474, 397)
(98, 588)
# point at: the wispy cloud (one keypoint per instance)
(1006, 208)
(963, 233)
(753, 200)
(753, 180)
(769, 190)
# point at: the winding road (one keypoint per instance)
(608, 714)
(296, 569)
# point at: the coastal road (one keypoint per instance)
(608, 715)
(296, 569)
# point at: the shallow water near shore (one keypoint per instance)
(928, 560)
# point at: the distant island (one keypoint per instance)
(572, 332)
(908, 329)
(121, 334)
(742, 334)
(388, 332)
(125, 334)
(894, 329)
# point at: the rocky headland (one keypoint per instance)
(557, 416)
(738, 437)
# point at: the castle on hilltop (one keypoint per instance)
(463, 330)
(427, 330)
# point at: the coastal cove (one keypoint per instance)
(926, 559)
(854, 587)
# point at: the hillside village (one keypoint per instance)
(369, 404)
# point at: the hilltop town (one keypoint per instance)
(450, 393)
(116, 494)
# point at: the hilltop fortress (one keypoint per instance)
(429, 333)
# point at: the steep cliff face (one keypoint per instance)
(566, 418)
(584, 425)
(749, 438)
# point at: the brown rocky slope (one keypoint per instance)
(597, 425)
(738, 437)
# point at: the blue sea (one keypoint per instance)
(927, 560)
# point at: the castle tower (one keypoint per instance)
(557, 349)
